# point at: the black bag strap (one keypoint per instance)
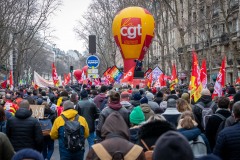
(220, 116)
(66, 119)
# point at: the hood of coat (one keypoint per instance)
(145, 108)
(205, 99)
(70, 113)
(154, 129)
(116, 125)
(23, 113)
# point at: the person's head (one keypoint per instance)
(8, 96)
(125, 96)
(136, 116)
(84, 94)
(149, 96)
(186, 120)
(236, 110)
(223, 102)
(159, 94)
(171, 103)
(24, 104)
(74, 97)
(43, 93)
(136, 95)
(2, 114)
(156, 117)
(205, 92)
(186, 96)
(35, 93)
(182, 105)
(68, 105)
(171, 146)
(114, 97)
(137, 86)
(103, 89)
(144, 100)
(64, 94)
(28, 154)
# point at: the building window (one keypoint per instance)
(203, 35)
(216, 8)
(215, 31)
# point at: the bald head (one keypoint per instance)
(24, 104)
(8, 96)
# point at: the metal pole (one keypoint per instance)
(71, 78)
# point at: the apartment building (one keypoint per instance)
(210, 27)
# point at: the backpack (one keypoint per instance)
(103, 154)
(198, 146)
(3, 126)
(149, 153)
(73, 134)
(46, 126)
(206, 113)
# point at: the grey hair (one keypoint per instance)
(156, 117)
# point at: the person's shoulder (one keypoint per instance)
(81, 119)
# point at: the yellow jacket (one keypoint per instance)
(70, 114)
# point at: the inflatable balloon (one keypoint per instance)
(78, 74)
(133, 30)
(85, 70)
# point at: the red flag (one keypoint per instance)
(174, 79)
(195, 84)
(220, 82)
(11, 80)
(97, 81)
(128, 77)
(203, 74)
(4, 84)
(149, 80)
(67, 78)
(162, 80)
(238, 81)
(55, 76)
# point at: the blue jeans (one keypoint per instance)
(48, 147)
(91, 139)
(67, 155)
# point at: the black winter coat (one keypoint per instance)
(213, 124)
(89, 111)
(24, 131)
(228, 143)
(151, 131)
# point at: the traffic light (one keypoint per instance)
(71, 69)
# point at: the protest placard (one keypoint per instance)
(37, 111)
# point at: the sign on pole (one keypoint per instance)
(92, 61)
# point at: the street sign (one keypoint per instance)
(92, 61)
(93, 75)
(92, 71)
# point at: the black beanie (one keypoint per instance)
(84, 94)
(171, 146)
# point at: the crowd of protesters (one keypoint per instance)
(121, 123)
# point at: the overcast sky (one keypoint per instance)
(63, 22)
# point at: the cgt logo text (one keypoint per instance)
(131, 31)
